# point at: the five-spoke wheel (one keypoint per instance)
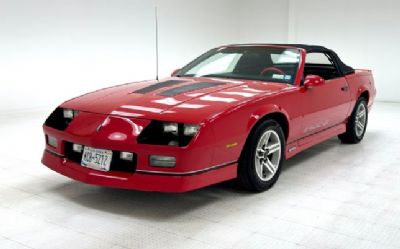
(360, 120)
(268, 155)
(357, 123)
(261, 160)
(262, 157)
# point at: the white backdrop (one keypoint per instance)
(52, 50)
(365, 33)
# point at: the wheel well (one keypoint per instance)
(278, 117)
(365, 95)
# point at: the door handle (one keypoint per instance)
(344, 88)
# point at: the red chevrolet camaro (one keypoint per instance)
(237, 111)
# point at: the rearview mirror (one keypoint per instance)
(175, 72)
(313, 80)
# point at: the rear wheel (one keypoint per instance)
(357, 123)
(261, 161)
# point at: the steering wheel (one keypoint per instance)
(272, 69)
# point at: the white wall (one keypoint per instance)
(365, 33)
(190, 28)
(52, 50)
(262, 21)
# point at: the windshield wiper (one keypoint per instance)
(237, 77)
(218, 76)
(222, 76)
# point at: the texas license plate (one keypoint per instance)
(96, 158)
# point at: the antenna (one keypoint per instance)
(156, 20)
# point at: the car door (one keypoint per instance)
(326, 105)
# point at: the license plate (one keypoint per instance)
(96, 158)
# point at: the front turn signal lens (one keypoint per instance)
(162, 161)
(52, 141)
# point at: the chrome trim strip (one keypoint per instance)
(164, 173)
(107, 176)
(55, 153)
(315, 133)
(187, 173)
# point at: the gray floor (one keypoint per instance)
(331, 196)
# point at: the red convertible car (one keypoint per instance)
(237, 111)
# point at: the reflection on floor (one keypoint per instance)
(331, 196)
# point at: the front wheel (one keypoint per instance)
(357, 123)
(261, 161)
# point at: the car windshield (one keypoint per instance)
(272, 64)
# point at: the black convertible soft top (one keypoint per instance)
(344, 69)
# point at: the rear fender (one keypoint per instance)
(361, 89)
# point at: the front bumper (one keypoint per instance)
(141, 180)
(193, 169)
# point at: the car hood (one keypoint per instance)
(173, 99)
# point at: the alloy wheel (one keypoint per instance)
(360, 120)
(268, 155)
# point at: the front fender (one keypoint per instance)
(263, 111)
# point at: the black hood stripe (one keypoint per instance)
(187, 88)
(159, 85)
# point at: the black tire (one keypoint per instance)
(351, 136)
(247, 173)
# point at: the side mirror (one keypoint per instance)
(313, 80)
(175, 72)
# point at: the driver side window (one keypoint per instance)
(320, 64)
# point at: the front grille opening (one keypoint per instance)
(57, 121)
(117, 164)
